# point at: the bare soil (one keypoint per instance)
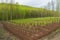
(28, 35)
(5, 35)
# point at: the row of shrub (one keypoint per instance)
(14, 11)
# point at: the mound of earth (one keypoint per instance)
(27, 35)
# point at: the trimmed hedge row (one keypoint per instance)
(10, 11)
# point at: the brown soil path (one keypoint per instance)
(6, 35)
(57, 37)
(27, 35)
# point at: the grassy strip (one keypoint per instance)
(37, 20)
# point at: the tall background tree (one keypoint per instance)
(49, 5)
(11, 8)
(58, 5)
(52, 3)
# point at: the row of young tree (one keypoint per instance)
(10, 12)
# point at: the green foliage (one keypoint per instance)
(41, 20)
(15, 11)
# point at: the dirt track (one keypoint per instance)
(6, 35)
(27, 35)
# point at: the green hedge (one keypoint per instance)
(8, 11)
